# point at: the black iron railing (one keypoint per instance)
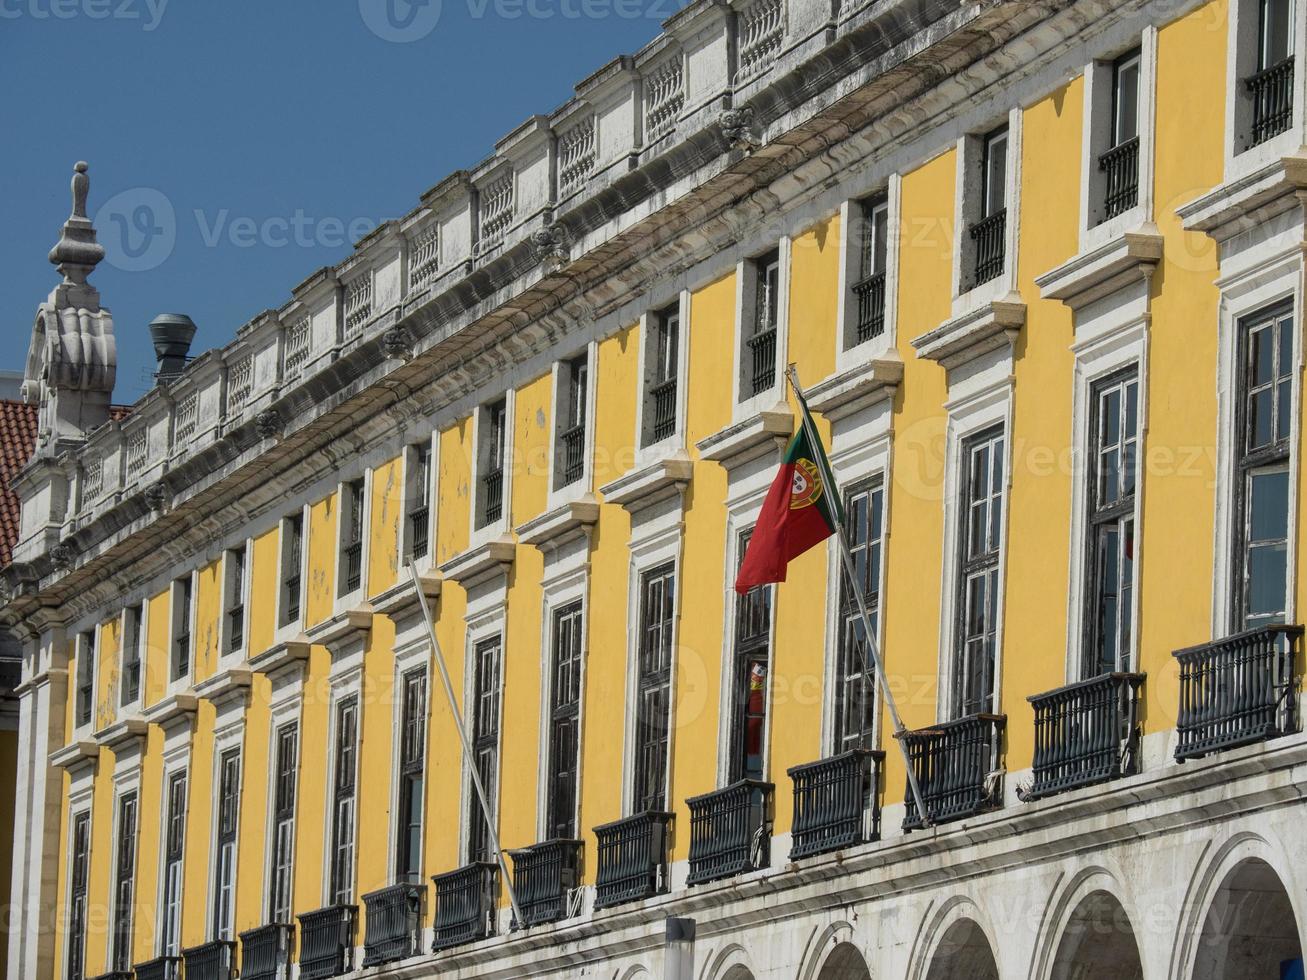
(1085, 733)
(1271, 91)
(465, 904)
(1120, 166)
(265, 952)
(182, 654)
(393, 919)
(212, 961)
(235, 628)
(115, 975)
(988, 235)
(958, 766)
(870, 294)
(419, 531)
(162, 968)
(632, 858)
(664, 408)
(353, 576)
(762, 349)
(492, 497)
(1239, 690)
(572, 453)
(544, 877)
(131, 680)
(836, 803)
(327, 941)
(292, 585)
(730, 830)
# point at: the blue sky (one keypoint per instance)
(235, 145)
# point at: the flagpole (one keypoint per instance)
(851, 570)
(439, 659)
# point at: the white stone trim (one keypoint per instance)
(849, 356)
(744, 405)
(342, 601)
(966, 190)
(479, 536)
(287, 631)
(647, 454)
(285, 708)
(580, 487)
(227, 655)
(1241, 44)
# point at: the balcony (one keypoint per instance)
(465, 904)
(327, 941)
(571, 454)
(351, 567)
(730, 831)
(762, 353)
(1085, 733)
(544, 877)
(492, 497)
(632, 859)
(162, 968)
(292, 587)
(835, 802)
(115, 975)
(1120, 167)
(235, 628)
(419, 531)
(870, 294)
(265, 952)
(1271, 92)
(394, 923)
(1239, 690)
(664, 408)
(988, 236)
(958, 765)
(212, 961)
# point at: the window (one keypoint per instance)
(653, 687)
(873, 249)
(412, 770)
(343, 802)
(569, 463)
(283, 824)
(661, 363)
(86, 677)
(758, 364)
(419, 501)
(174, 849)
(1119, 163)
(1262, 507)
(78, 876)
(351, 538)
(130, 686)
(485, 744)
(1113, 456)
(987, 233)
(565, 721)
(855, 673)
(292, 547)
(235, 566)
(224, 873)
(494, 419)
(977, 601)
(124, 884)
(1268, 90)
(181, 647)
(751, 670)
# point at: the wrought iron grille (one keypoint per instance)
(664, 408)
(632, 858)
(212, 961)
(836, 803)
(870, 294)
(1271, 91)
(1120, 164)
(353, 566)
(730, 830)
(1085, 733)
(1239, 690)
(161, 968)
(988, 235)
(116, 975)
(958, 764)
(394, 923)
(762, 349)
(236, 627)
(573, 453)
(465, 904)
(544, 877)
(492, 497)
(265, 952)
(326, 941)
(419, 524)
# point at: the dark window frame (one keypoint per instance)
(344, 801)
(487, 665)
(569, 434)
(86, 648)
(285, 775)
(491, 457)
(174, 854)
(418, 512)
(129, 688)
(655, 648)
(353, 531)
(412, 776)
(230, 771)
(79, 871)
(751, 649)
(236, 566)
(183, 645)
(662, 356)
(567, 665)
(124, 886)
(855, 670)
(292, 569)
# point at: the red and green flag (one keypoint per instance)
(802, 509)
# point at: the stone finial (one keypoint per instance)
(77, 252)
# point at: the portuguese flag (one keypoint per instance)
(802, 509)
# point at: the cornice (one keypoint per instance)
(282, 656)
(554, 527)
(347, 625)
(750, 438)
(121, 734)
(76, 754)
(1246, 201)
(1099, 272)
(860, 387)
(480, 562)
(965, 338)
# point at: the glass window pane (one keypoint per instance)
(1126, 107)
(1266, 579)
(1269, 507)
(1259, 418)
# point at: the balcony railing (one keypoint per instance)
(572, 453)
(958, 766)
(988, 235)
(327, 941)
(1239, 690)
(835, 802)
(394, 923)
(116, 975)
(292, 586)
(235, 627)
(353, 567)
(664, 408)
(162, 968)
(182, 654)
(1085, 733)
(1271, 91)
(212, 961)
(544, 877)
(265, 952)
(870, 294)
(632, 858)
(465, 904)
(419, 531)
(762, 350)
(1120, 165)
(730, 831)
(492, 497)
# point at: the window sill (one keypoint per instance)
(222, 687)
(768, 429)
(858, 388)
(650, 484)
(340, 629)
(561, 524)
(1093, 274)
(478, 563)
(76, 755)
(129, 732)
(1243, 202)
(966, 338)
(179, 707)
(286, 654)
(400, 601)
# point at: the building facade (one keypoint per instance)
(1038, 267)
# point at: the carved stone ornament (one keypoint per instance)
(267, 424)
(63, 555)
(738, 128)
(552, 244)
(156, 496)
(397, 343)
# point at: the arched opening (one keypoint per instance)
(738, 972)
(844, 963)
(963, 954)
(1099, 941)
(1249, 930)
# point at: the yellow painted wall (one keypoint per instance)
(201, 793)
(265, 582)
(379, 706)
(251, 886)
(158, 644)
(532, 417)
(387, 514)
(454, 489)
(321, 561)
(108, 660)
(311, 793)
(206, 637)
